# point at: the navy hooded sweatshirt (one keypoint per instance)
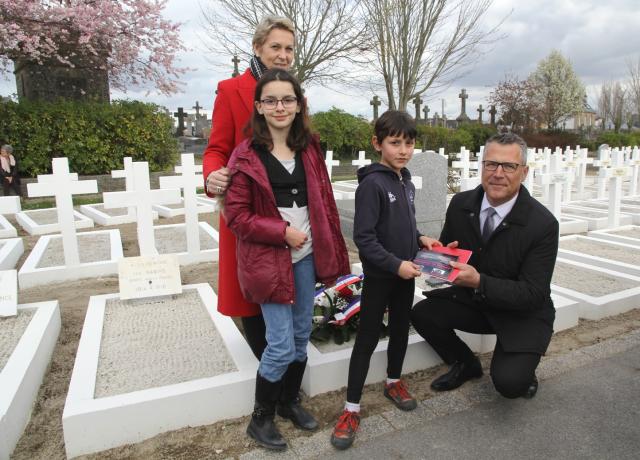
(384, 225)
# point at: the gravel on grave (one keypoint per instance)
(153, 342)
(602, 249)
(173, 239)
(45, 216)
(113, 212)
(629, 233)
(590, 282)
(91, 248)
(11, 330)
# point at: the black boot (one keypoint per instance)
(262, 428)
(289, 405)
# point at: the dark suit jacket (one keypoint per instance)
(515, 268)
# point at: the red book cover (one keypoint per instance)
(435, 262)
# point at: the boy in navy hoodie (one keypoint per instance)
(387, 238)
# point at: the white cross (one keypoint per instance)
(617, 173)
(330, 162)
(143, 198)
(441, 153)
(634, 163)
(571, 166)
(188, 181)
(554, 179)
(63, 186)
(464, 165)
(582, 160)
(361, 161)
(603, 163)
(127, 174)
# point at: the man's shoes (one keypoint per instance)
(459, 373)
(345, 430)
(399, 395)
(532, 390)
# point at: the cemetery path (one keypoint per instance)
(43, 437)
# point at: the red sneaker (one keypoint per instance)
(345, 431)
(399, 395)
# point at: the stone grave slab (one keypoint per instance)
(177, 209)
(172, 239)
(615, 256)
(10, 251)
(114, 216)
(596, 220)
(44, 221)
(633, 211)
(99, 252)
(601, 292)
(148, 366)
(26, 345)
(628, 234)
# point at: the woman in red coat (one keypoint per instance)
(273, 43)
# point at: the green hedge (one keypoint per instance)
(432, 138)
(618, 139)
(93, 136)
(343, 133)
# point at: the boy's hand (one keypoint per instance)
(295, 238)
(468, 276)
(409, 270)
(429, 243)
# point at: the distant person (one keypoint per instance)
(9, 171)
(385, 231)
(505, 287)
(280, 206)
(273, 42)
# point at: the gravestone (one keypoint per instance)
(617, 173)
(426, 114)
(480, 110)
(417, 102)
(555, 179)
(634, 163)
(463, 117)
(361, 161)
(180, 115)
(235, 61)
(492, 112)
(330, 162)
(375, 102)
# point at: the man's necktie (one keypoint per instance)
(488, 227)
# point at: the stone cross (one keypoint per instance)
(180, 115)
(330, 162)
(533, 165)
(361, 161)
(417, 101)
(492, 112)
(572, 166)
(463, 112)
(617, 173)
(127, 174)
(235, 61)
(188, 181)
(634, 163)
(602, 163)
(554, 178)
(143, 198)
(375, 102)
(63, 186)
(425, 109)
(436, 119)
(480, 110)
(582, 160)
(197, 107)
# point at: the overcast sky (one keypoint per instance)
(597, 36)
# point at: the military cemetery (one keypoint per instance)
(112, 247)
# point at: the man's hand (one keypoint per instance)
(218, 181)
(408, 270)
(295, 238)
(429, 243)
(468, 276)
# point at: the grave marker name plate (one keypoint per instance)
(149, 276)
(8, 293)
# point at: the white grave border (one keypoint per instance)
(601, 262)
(102, 218)
(594, 308)
(92, 425)
(610, 235)
(6, 229)
(30, 275)
(204, 255)
(10, 253)
(22, 375)
(594, 223)
(33, 228)
(167, 211)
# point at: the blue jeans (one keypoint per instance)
(289, 326)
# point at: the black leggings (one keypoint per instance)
(255, 333)
(377, 294)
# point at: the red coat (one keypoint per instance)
(231, 112)
(265, 271)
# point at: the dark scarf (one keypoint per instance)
(257, 67)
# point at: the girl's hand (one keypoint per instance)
(295, 238)
(218, 181)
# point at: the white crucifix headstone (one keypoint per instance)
(8, 293)
(603, 163)
(127, 174)
(442, 154)
(361, 161)
(555, 179)
(534, 168)
(571, 166)
(143, 198)
(63, 186)
(330, 162)
(618, 172)
(634, 163)
(546, 166)
(188, 181)
(464, 165)
(582, 160)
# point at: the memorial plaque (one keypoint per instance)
(149, 276)
(8, 293)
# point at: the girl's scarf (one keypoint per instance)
(257, 67)
(7, 162)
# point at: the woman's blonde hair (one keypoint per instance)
(267, 24)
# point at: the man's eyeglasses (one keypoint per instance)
(288, 102)
(506, 167)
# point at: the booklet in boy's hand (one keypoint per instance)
(435, 262)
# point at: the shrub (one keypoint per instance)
(433, 138)
(343, 133)
(93, 136)
(479, 134)
(618, 139)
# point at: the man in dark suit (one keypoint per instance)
(505, 287)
